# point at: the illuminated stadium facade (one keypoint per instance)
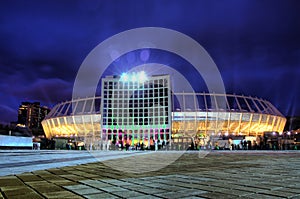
(136, 107)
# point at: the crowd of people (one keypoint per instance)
(142, 144)
(187, 143)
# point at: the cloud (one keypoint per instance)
(49, 91)
(255, 44)
(7, 114)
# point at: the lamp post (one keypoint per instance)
(289, 134)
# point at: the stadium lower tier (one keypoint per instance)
(183, 124)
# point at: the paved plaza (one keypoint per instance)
(212, 174)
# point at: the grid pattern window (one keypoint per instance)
(131, 104)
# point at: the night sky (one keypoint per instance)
(255, 44)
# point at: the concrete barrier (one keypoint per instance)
(15, 142)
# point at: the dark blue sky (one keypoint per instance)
(255, 44)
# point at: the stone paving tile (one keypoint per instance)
(235, 192)
(221, 175)
(293, 185)
(218, 184)
(73, 177)
(193, 192)
(46, 187)
(38, 183)
(63, 182)
(216, 195)
(31, 195)
(259, 185)
(128, 194)
(152, 185)
(133, 187)
(277, 193)
(85, 175)
(87, 191)
(169, 188)
(51, 178)
(13, 191)
(95, 183)
(211, 188)
(76, 187)
(261, 196)
(179, 184)
(10, 181)
(100, 195)
(146, 197)
(117, 182)
(284, 189)
(112, 189)
(248, 189)
(192, 197)
(160, 181)
(29, 177)
(42, 172)
(179, 194)
(61, 194)
(56, 171)
(150, 191)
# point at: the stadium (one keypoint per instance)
(135, 107)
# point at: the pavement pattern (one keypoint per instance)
(218, 174)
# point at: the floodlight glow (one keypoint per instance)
(134, 77)
(142, 76)
(124, 77)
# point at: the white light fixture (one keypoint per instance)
(134, 77)
(124, 77)
(140, 77)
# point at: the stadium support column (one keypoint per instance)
(122, 135)
(138, 135)
(149, 138)
(250, 124)
(240, 122)
(132, 137)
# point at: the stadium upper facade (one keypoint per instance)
(138, 107)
